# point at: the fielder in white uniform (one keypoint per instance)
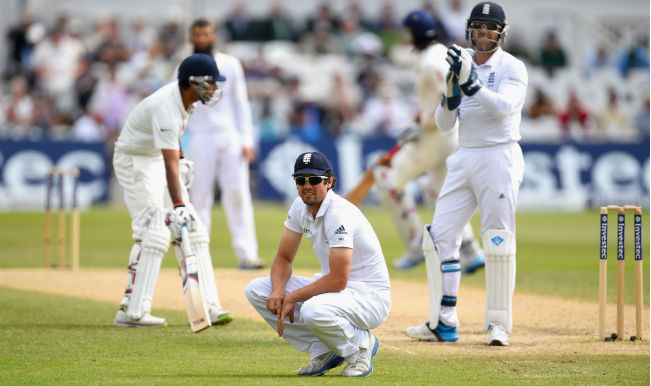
(425, 152)
(221, 146)
(485, 93)
(146, 162)
(331, 314)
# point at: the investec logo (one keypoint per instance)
(604, 237)
(638, 239)
(620, 236)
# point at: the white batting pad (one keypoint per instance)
(154, 246)
(499, 246)
(402, 209)
(434, 276)
(134, 258)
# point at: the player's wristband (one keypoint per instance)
(179, 205)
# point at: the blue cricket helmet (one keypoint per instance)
(199, 65)
(422, 26)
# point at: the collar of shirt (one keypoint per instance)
(491, 62)
(178, 101)
(322, 209)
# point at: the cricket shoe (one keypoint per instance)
(219, 317)
(363, 366)
(321, 364)
(498, 335)
(252, 264)
(441, 333)
(123, 320)
(408, 261)
(473, 263)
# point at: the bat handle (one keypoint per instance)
(185, 242)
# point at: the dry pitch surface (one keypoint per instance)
(543, 325)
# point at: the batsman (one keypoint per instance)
(155, 179)
(424, 149)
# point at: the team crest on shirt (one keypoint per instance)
(491, 80)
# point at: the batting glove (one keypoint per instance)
(186, 171)
(178, 218)
(411, 133)
(452, 97)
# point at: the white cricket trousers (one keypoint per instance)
(218, 158)
(334, 321)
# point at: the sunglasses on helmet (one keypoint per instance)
(314, 180)
(489, 25)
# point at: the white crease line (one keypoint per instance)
(398, 349)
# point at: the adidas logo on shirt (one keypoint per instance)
(341, 231)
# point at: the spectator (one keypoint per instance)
(642, 119)
(323, 15)
(20, 49)
(386, 114)
(552, 56)
(279, 24)
(341, 106)
(541, 105)
(614, 124)
(597, 59)
(637, 56)
(454, 21)
(55, 60)
(320, 41)
(237, 23)
(574, 114)
(21, 111)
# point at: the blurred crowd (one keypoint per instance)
(329, 74)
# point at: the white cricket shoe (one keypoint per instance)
(321, 364)
(123, 320)
(441, 333)
(363, 366)
(219, 317)
(498, 335)
(256, 263)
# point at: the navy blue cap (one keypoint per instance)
(489, 11)
(199, 65)
(313, 163)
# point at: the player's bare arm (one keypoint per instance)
(171, 159)
(281, 268)
(340, 261)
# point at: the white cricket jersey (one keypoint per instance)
(430, 82)
(491, 116)
(157, 122)
(339, 223)
(233, 111)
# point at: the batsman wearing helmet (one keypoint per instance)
(485, 92)
(424, 154)
(146, 162)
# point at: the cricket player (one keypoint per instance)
(426, 153)
(331, 314)
(485, 92)
(146, 162)
(221, 146)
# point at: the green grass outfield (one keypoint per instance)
(47, 339)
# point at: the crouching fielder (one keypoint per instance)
(147, 165)
(485, 94)
(330, 315)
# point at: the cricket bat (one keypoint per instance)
(357, 194)
(197, 314)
